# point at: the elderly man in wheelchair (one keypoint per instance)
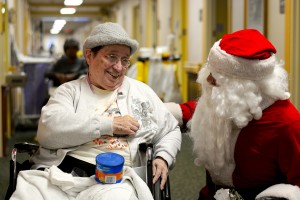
(105, 111)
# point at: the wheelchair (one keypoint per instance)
(145, 172)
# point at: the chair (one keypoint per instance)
(145, 172)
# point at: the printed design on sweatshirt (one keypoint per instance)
(111, 142)
(143, 112)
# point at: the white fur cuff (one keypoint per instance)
(290, 192)
(176, 111)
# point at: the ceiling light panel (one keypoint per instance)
(73, 2)
(67, 11)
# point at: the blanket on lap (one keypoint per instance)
(56, 184)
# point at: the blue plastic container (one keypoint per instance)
(109, 168)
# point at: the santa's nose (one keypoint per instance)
(211, 80)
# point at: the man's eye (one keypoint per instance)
(113, 57)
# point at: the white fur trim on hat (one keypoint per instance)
(109, 34)
(238, 67)
(176, 111)
(290, 192)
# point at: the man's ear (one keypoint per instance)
(87, 55)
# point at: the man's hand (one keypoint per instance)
(160, 169)
(125, 125)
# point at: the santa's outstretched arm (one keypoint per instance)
(183, 112)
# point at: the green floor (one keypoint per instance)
(186, 179)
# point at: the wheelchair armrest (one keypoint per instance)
(14, 166)
(164, 194)
(143, 146)
(167, 191)
(25, 147)
(158, 194)
(147, 148)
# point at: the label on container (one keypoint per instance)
(109, 168)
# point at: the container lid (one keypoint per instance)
(110, 159)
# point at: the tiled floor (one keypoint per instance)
(186, 179)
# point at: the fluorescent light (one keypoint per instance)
(67, 11)
(59, 23)
(54, 32)
(73, 2)
(57, 26)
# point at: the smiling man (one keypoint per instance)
(106, 111)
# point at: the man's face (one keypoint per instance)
(104, 73)
(71, 52)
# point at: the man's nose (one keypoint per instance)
(118, 66)
(211, 80)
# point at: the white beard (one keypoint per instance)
(219, 116)
(212, 144)
(222, 111)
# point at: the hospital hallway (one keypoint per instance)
(186, 179)
(168, 50)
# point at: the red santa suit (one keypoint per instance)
(267, 153)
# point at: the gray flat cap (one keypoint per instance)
(108, 34)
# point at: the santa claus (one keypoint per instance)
(245, 131)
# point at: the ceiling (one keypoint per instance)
(45, 12)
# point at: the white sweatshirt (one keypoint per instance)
(69, 120)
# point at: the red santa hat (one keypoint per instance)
(244, 54)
